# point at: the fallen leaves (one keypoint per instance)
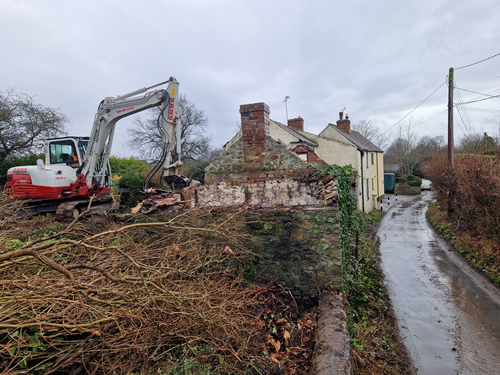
(290, 332)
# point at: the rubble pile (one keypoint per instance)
(158, 200)
(327, 191)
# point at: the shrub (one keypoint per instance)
(121, 166)
(195, 170)
(129, 173)
(414, 180)
(474, 181)
(133, 182)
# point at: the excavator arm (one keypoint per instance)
(94, 174)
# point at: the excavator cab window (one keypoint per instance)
(82, 145)
(64, 152)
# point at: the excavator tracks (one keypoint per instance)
(70, 210)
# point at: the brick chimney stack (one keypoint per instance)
(296, 123)
(344, 125)
(254, 129)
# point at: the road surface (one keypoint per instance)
(448, 314)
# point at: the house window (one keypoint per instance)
(367, 166)
(373, 162)
(367, 189)
(303, 156)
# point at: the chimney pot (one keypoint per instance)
(341, 115)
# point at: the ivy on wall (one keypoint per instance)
(347, 205)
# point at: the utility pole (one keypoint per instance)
(451, 151)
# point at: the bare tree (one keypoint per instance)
(401, 149)
(23, 124)
(477, 143)
(372, 133)
(146, 136)
(426, 149)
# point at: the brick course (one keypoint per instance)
(296, 123)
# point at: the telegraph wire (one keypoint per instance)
(409, 113)
(478, 62)
(462, 111)
(480, 100)
(460, 105)
(483, 110)
(462, 117)
(430, 118)
(478, 93)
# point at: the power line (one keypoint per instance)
(478, 62)
(462, 111)
(483, 110)
(430, 118)
(409, 113)
(478, 93)
(480, 100)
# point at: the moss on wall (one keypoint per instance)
(299, 248)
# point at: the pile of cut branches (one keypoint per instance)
(131, 298)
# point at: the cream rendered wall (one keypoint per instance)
(365, 195)
(380, 172)
(334, 148)
(378, 175)
(278, 134)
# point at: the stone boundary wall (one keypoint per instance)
(407, 190)
(332, 350)
(298, 247)
(266, 189)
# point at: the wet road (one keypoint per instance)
(448, 315)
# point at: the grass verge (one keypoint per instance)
(481, 251)
(376, 348)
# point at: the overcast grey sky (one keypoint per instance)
(379, 59)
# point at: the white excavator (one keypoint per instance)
(76, 169)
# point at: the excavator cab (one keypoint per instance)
(67, 150)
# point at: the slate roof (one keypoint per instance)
(358, 140)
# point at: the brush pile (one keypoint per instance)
(124, 300)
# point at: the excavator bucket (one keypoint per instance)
(177, 182)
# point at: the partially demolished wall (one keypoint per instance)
(261, 189)
(257, 170)
(293, 216)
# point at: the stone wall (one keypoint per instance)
(299, 248)
(299, 238)
(407, 190)
(266, 189)
(274, 157)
